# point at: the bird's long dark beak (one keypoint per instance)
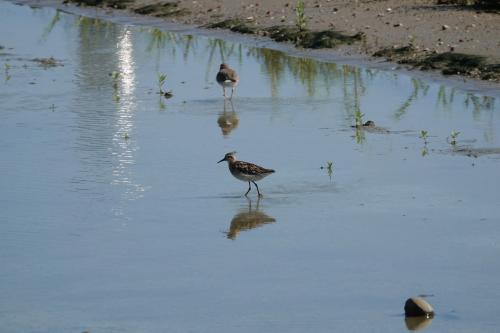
(222, 160)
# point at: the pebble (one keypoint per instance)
(417, 306)
(445, 27)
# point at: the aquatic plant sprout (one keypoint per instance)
(300, 16)
(423, 136)
(453, 137)
(358, 118)
(161, 81)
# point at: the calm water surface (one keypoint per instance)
(115, 217)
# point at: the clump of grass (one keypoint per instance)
(411, 39)
(300, 16)
(115, 76)
(453, 137)
(358, 118)
(423, 136)
(7, 74)
(161, 81)
(329, 168)
(126, 136)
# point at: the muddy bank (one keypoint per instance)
(445, 36)
(303, 38)
(448, 63)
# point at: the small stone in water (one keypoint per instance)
(417, 306)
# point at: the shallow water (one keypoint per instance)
(115, 216)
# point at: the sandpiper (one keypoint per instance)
(227, 78)
(245, 171)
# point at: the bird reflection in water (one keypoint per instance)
(228, 120)
(247, 220)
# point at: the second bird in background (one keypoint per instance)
(227, 78)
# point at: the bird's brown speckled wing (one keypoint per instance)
(227, 74)
(251, 169)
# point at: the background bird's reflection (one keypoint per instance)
(228, 120)
(248, 219)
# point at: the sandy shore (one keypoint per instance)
(418, 33)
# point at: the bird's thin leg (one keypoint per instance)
(232, 91)
(224, 92)
(249, 188)
(256, 188)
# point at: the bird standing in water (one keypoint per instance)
(245, 171)
(227, 78)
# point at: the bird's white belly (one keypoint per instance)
(228, 84)
(246, 178)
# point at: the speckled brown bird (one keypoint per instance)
(245, 171)
(227, 78)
